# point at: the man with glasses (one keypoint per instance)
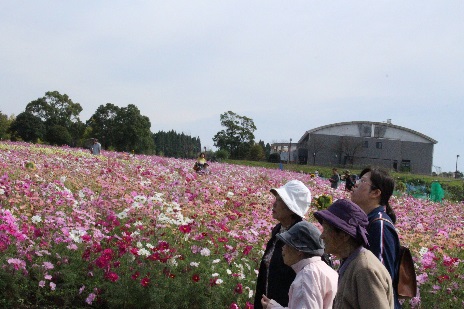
(372, 193)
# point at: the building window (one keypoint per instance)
(378, 145)
(405, 166)
(366, 144)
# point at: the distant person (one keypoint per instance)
(315, 284)
(291, 203)
(372, 193)
(334, 179)
(96, 147)
(363, 281)
(349, 183)
(201, 165)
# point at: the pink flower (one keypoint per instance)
(17, 263)
(185, 228)
(238, 288)
(234, 306)
(90, 298)
(145, 281)
(52, 286)
(42, 283)
(113, 277)
(48, 265)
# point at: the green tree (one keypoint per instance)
(58, 135)
(104, 126)
(57, 109)
(27, 127)
(256, 153)
(133, 131)
(5, 123)
(238, 137)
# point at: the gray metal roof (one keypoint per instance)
(369, 123)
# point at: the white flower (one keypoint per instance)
(143, 252)
(216, 261)
(215, 275)
(140, 198)
(122, 215)
(135, 233)
(423, 251)
(139, 244)
(2, 191)
(230, 194)
(205, 252)
(36, 219)
(63, 179)
(219, 281)
(149, 246)
(172, 261)
(229, 272)
(194, 264)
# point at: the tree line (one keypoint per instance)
(54, 119)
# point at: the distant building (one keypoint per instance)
(362, 143)
(282, 149)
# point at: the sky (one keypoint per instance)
(291, 66)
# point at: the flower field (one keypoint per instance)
(120, 231)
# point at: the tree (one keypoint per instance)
(5, 123)
(57, 109)
(58, 135)
(349, 147)
(133, 131)
(237, 136)
(256, 153)
(27, 127)
(103, 124)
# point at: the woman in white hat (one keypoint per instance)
(315, 284)
(274, 279)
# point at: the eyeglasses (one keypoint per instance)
(361, 180)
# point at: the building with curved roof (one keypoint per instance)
(362, 143)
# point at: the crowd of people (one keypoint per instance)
(296, 269)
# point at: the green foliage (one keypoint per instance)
(58, 135)
(5, 123)
(173, 144)
(322, 202)
(27, 127)
(256, 153)
(400, 186)
(222, 154)
(274, 157)
(237, 137)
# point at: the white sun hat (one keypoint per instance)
(295, 195)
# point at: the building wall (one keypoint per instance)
(388, 147)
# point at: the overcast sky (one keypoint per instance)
(291, 66)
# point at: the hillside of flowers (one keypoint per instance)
(134, 231)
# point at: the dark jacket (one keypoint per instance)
(385, 244)
(280, 277)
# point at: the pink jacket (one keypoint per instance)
(315, 285)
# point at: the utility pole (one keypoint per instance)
(456, 173)
(289, 151)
